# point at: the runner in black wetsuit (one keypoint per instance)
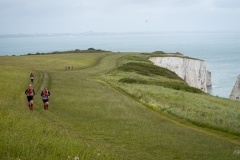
(45, 97)
(30, 93)
(31, 77)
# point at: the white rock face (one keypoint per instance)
(193, 71)
(209, 79)
(235, 94)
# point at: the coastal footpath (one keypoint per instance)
(235, 94)
(192, 71)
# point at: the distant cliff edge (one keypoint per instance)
(193, 71)
(235, 94)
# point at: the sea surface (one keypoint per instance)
(220, 51)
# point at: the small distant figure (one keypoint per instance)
(30, 93)
(66, 68)
(45, 98)
(72, 67)
(32, 77)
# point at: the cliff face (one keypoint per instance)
(235, 95)
(192, 71)
(209, 78)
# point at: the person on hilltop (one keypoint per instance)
(45, 98)
(31, 77)
(30, 93)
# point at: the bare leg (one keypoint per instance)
(46, 105)
(31, 105)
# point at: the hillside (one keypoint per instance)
(110, 106)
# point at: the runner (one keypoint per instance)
(31, 77)
(30, 93)
(45, 97)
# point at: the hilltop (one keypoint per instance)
(110, 106)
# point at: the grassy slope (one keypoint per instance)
(26, 135)
(156, 91)
(90, 119)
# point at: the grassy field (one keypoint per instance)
(108, 108)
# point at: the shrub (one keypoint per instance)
(91, 49)
(158, 52)
(149, 70)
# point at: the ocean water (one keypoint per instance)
(220, 51)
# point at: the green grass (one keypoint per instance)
(52, 62)
(164, 54)
(154, 85)
(94, 116)
(198, 109)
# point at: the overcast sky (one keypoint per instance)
(77, 16)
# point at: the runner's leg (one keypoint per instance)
(47, 105)
(31, 105)
(44, 105)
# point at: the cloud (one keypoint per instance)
(232, 4)
(117, 15)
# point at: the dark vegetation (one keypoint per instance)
(89, 50)
(137, 59)
(164, 54)
(174, 85)
(148, 69)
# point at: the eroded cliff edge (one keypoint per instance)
(235, 94)
(193, 71)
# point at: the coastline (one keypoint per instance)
(210, 47)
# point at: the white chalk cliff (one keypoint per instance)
(235, 94)
(193, 71)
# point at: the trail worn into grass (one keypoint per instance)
(43, 80)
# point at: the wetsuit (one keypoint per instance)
(30, 92)
(32, 77)
(45, 95)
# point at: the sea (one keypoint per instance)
(220, 50)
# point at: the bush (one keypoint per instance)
(158, 52)
(91, 49)
(149, 70)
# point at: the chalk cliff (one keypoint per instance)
(193, 71)
(235, 95)
(209, 79)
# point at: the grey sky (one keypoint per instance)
(76, 16)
